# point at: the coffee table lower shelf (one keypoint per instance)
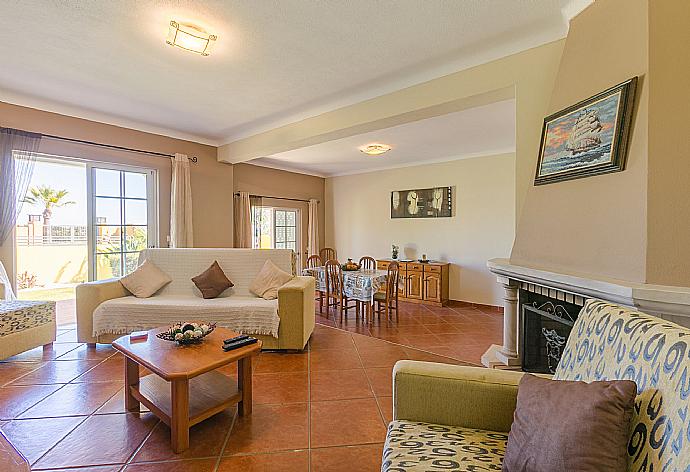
(202, 396)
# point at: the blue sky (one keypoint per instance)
(59, 175)
(71, 176)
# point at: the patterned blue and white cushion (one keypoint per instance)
(611, 342)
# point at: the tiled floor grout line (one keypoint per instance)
(309, 405)
(93, 413)
(404, 346)
(424, 315)
(136, 451)
(371, 385)
(226, 441)
(39, 401)
(427, 310)
(58, 442)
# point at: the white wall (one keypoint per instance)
(358, 219)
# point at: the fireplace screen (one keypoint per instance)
(545, 330)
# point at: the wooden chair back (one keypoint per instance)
(368, 263)
(327, 254)
(314, 261)
(334, 277)
(392, 280)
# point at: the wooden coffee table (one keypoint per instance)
(186, 388)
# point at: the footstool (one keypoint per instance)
(25, 325)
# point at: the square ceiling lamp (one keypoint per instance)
(190, 38)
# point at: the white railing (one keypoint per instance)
(54, 235)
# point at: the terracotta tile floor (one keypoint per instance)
(63, 409)
(461, 331)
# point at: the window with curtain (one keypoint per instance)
(276, 228)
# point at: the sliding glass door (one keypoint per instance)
(122, 218)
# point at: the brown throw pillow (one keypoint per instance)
(566, 425)
(212, 282)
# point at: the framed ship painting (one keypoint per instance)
(588, 138)
(422, 203)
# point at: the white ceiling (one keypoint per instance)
(276, 61)
(481, 131)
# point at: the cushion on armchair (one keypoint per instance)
(566, 425)
(419, 446)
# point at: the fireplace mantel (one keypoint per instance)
(671, 303)
(660, 300)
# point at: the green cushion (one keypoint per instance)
(417, 446)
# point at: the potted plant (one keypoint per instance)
(394, 251)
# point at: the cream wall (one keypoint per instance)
(358, 219)
(668, 210)
(596, 225)
(529, 75)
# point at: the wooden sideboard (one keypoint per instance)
(425, 283)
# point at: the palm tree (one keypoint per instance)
(49, 198)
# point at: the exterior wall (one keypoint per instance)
(63, 264)
(359, 222)
(596, 225)
(259, 180)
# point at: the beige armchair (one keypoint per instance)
(468, 410)
(472, 397)
(432, 402)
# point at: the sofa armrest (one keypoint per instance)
(89, 296)
(473, 397)
(296, 311)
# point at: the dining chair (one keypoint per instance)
(313, 262)
(328, 253)
(367, 263)
(335, 290)
(388, 299)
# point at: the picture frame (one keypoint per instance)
(587, 138)
(436, 202)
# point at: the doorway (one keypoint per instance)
(277, 228)
(81, 221)
(122, 216)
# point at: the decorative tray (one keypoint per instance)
(187, 332)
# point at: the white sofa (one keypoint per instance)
(106, 310)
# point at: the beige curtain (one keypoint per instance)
(243, 221)
(313, 231)
(181, 234)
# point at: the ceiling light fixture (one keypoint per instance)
(375, 149)
(190, 38)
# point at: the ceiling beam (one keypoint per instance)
(371, 115)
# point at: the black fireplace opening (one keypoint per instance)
(546, 325)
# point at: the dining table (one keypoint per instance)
(359, 285)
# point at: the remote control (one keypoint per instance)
(238, 344)
(236, 338)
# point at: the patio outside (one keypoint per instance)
(51, 236)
